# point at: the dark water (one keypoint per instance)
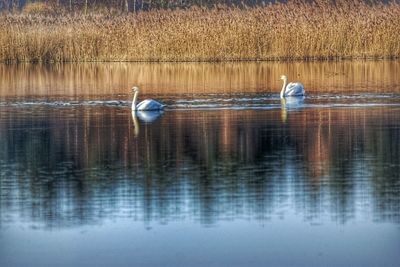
(220, 178)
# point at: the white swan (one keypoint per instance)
(148, 104)
(291, 89)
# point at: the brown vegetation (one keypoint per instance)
(318, 30)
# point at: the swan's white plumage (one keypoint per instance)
(294, 89)
(148, 104)
(291, 89)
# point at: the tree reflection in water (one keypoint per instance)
(62, 167)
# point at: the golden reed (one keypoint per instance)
(296, 30)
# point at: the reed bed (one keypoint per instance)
(296, 30)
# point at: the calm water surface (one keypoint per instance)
(227, 175)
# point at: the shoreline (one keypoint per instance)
(359, 59)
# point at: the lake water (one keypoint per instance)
(227, 175)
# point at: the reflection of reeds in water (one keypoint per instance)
(224, 162)
(104, 79)
(296, 30)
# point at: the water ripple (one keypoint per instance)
(215, 102)
(107, 103)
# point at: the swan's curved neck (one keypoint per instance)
(134, 100)
(283, 88)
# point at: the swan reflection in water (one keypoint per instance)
(147, 117)
(294, 103)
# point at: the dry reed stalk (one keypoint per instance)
(296, 30)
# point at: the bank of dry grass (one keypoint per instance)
(274, 32)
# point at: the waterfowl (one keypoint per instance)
(148, 104)
(291, 89)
